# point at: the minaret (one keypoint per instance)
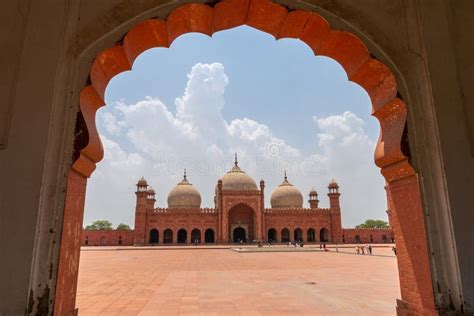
(140, 212)
(335, 211)
(150, 200)
(313, 199)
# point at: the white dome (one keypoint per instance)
(236, 179)
(286, 196)
(184, 195)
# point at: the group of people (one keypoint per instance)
(367, 249)
(296, 243)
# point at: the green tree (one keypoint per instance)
(100, 225)
(373, 223)
(123, 226)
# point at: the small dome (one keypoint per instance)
(313, 192)
(237, 179)
(142, 182)
(286, 196)
(333, 184)
(151, 191)
(184, 195)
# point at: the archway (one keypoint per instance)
(272, 235)
(242, 215)
(347, 49)
(384, 238)
(357, 239)
(154, 236)
(182, 236)
(103, 241)
(168, 236)
(209, 236)
(324, 235)
(239, 235)
(298, 234)
(196, 235)
(311, 235)
(285, 235)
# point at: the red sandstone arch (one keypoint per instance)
(315, 31)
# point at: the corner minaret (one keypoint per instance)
(140, 212)
(313, 199)
(335, 211)
(150, 200)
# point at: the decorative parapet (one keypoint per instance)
(292, 211)
(194, 211)
(367, 229)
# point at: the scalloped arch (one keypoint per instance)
(377, 79)
(274, 19)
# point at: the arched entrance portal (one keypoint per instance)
(196, 235)
(324, 235)
(154, 237)
(209, 236)
(182, 236)
(298, 234)
(242, 216)
(168, 236)
(311, 235)
(239, 235)
(272, 235)
(285, 235)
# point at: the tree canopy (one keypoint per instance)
(123, 226)
(373, 223)
(100, 225)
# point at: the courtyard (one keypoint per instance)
(222, 281)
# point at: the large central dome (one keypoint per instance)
(184, 195)
(286, 196)
(237, 179)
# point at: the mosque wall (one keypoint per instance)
(367, 235)
(107, 237)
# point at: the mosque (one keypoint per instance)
(239, 216)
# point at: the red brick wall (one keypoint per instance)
(367, 235)
(107, 237)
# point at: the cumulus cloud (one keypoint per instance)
(147, 138)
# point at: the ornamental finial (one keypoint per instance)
(236, 163)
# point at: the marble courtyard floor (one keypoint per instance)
(134, 281)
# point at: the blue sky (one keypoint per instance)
(238, 91)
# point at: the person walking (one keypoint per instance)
(362, 250)
(357, 250)
(394, 250)
(370, 249)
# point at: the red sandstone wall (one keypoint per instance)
(107, 237)
(367, 235)
(292, 219)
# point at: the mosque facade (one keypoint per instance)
(239, 215)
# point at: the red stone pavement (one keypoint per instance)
(225, 282)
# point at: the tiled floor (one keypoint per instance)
(226, 282)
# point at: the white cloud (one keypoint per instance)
(159, 144)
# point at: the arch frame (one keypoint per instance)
(399, 174)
